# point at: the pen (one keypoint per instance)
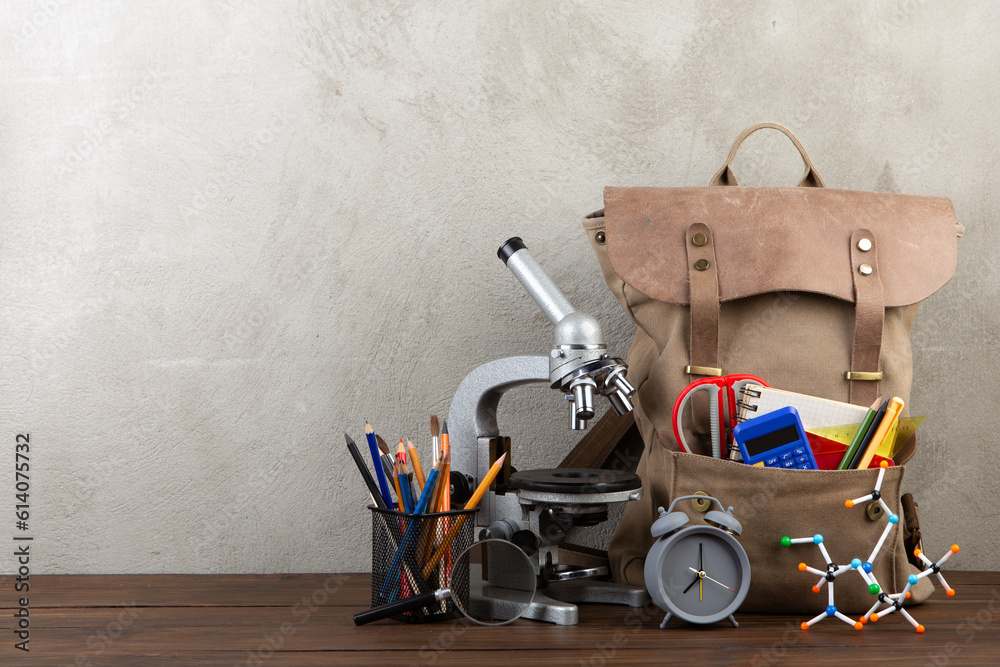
(383, 484)
(891, 415)
(369, 480)
(859, 436)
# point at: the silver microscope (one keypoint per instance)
(535, 509)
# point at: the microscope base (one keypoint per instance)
(555, 604)
(599, 592)
(545, 609)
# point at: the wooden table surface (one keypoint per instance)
(305, 619)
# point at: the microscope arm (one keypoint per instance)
(473, 411)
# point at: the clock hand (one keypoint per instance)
(696, 580)
(701, 575)
(701, 567)
(720, 583)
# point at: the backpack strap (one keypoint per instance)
(869, 319)
(703, 279)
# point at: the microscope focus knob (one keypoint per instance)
(526, 540)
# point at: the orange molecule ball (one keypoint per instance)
(920, 629)
(884, 464)
(848, 504)
(858, 625)
(802, 567)
(815, 589)
(917, 552)
(951, 592)
(804, 625)
(908, 594)
(954, 548)
(874, 618)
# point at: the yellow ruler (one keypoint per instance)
(900, 433)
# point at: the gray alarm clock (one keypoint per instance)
(700, 574)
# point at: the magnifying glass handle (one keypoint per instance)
(394, 608)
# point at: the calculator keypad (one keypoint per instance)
(794, 458)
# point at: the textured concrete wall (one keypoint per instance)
(231, 230)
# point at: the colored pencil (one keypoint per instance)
(404, 478)
(411, 532)
(859, 436)
(399, 491)
(446, 484)
(868, 435)
(383, 483)
(473, 501)
(428, 492)
(417, 468)
(438, 498)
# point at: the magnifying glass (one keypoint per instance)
(492, 583)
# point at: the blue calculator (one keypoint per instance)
(775, 440)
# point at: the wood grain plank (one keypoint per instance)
(281, 619)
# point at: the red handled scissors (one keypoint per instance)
(722, 393)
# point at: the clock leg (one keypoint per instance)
(732, 619)
(666, 619)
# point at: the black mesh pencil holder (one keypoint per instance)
(413, 554)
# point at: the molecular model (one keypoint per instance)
(892, 601)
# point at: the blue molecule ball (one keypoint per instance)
(831, 610)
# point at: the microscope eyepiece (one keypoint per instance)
(512, 245)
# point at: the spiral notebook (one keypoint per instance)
(756, 400)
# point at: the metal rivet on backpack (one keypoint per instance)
(865, 270)
(864, 245)
(701, 264)
(874, 510)
(701, 505)
(599, 237)
(699, 239)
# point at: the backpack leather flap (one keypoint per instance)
(780, 239)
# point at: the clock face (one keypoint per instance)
(700, 574)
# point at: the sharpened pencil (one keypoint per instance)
(404, 478)
(417, 468)
(367, 476)
(383, 483)
(399, 492)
